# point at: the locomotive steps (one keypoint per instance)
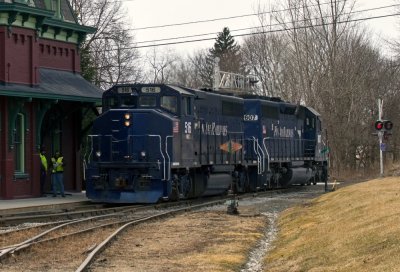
(353, 229)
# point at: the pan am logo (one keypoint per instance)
(230, 146)
(213, 129)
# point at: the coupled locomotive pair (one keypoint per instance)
(157, 142)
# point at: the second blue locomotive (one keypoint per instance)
(157, 142)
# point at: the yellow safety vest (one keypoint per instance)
(59, 162)
(44, 161)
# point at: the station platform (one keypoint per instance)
(47, 202)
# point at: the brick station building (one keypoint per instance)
(43, 97)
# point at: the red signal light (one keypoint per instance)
(378, 125)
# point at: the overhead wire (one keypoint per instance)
(224, 18)
(257, 33)
(257, 27)
(265, 32)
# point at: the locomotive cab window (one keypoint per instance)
(187, 106)
(128, 101)
(147, 101)
(110, 102)
(169, 103)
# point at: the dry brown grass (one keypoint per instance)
(199, 241)
(356, 228)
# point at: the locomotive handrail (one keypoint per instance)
(256, 152)
(169, 158)
(91, 146)
(263, 157)
(260, 163)
(266, 150)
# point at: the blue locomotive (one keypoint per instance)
(157, 142)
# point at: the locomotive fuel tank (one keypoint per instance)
(217, 184)
(298, 175)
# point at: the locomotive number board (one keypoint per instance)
(151, 89)
(124, 90)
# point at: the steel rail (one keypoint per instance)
(85, 264)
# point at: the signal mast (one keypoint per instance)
(383, 128)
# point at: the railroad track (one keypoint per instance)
(98, 230)
(51, 214)
(90, 235)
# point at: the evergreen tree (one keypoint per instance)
(228, 51)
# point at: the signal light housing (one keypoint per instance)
(378, 125)
(383, 125)
(388, 125)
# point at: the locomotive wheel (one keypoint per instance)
(241, 183)
(185, 186)
(174, 196)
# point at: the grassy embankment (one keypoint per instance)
(356, 228)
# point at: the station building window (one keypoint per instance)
(19, 143)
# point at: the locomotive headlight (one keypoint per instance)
(127, 123)
(127, 116)
(143, 154)
(98, 154)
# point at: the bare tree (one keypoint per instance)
(203, 68)
(324, 61)
(108, 53)
(160, 65)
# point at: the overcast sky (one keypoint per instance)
(146, 13)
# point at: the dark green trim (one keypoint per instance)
(25, 18)
(69, 34)
(18, 175)
(43, 107)
(17, 8)
(22, 8)
(68, 25)
(57, 31)
(14, 107)
(49, 96)
(12, 17)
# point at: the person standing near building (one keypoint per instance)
(57, 173)
(43, 169)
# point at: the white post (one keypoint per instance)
(380, 136)
(217, 78)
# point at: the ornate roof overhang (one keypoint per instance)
(44, 19)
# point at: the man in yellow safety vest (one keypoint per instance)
(43, 169)
(57, 173)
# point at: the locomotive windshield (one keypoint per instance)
(128, 101)
(114, 102)
(148, 97)
(147, 101)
